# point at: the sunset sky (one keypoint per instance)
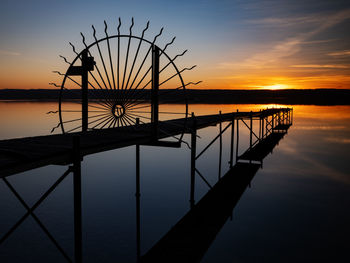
(236, 44)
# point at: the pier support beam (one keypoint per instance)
(220, 146)
(237, 138)
(232, 141)
(193, 159)
(78, 253)
(138, 195)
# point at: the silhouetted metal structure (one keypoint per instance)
(118, 122)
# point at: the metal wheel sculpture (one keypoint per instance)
(121, 78)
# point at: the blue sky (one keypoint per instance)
(236, 44)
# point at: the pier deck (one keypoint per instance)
(19, 155)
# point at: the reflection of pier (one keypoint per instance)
(191, 237)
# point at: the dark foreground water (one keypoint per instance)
(297, 209)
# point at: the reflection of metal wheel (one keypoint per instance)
(119, 85)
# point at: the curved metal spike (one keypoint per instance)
(155, 38)
(172, 41)
(120, 23)
(143, 32)
(59, 73)
(132, 24)
(82, 35)
(54, 128)
(52, 112)
(73, 47)
(54, 84)
(189, 68)
(179, 55)
(104, 21)
(65, 60)
(193, 83)
(94, 31)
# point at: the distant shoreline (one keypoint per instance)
(196, 96)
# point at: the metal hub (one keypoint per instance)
(118, 110)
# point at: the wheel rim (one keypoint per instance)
(119, 86)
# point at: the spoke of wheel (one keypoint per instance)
(109, 53)
(111, 124)
(122, 122)
(143, 62)
(103, 121)
(88, 124)
(148, 118)
(107, 102)
(108, 122)
(137, 52)
(92, 106)
(141, 107)
(162, 71)
(127, 119)
(102, 60)
(98, 70)
(127, 52)
(105, 91)
(90, 117)
(118, 53)
(160, 112)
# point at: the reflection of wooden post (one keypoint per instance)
(237, 138)
(137, 194)
(155, 88)
(220, 150)
(77, 199)
(193, 158)
(232, 140)
(251, 131)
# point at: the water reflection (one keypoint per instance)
(296, 209)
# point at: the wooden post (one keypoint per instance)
(137, 194)
(237, 138)
(232, 141)
(77, 199)
(193, 159)
(220, 149)
(87, 64)
(251, 131)
(84, 90)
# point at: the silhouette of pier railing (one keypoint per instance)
(19, 155)
(191, 237)
(193, 234)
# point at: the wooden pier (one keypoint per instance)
(19, 155)
(189, 239)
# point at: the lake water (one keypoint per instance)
(296, 210)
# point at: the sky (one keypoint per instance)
(235, 44)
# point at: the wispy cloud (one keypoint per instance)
(338, 140)
(9, 53)
(315, 24)
(321, 66)
(340, 53)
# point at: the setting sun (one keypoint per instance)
(275, 87)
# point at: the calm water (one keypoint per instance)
(297, 209)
